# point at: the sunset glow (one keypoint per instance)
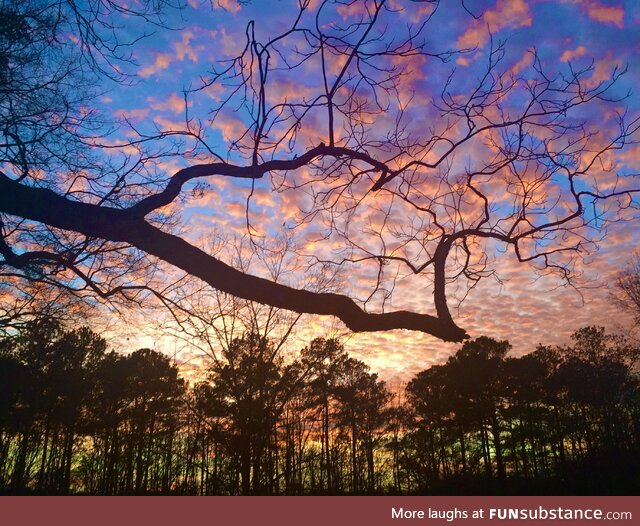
(517, 304)
(319, 247)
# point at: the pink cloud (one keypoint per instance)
(571, 54)
(233, 6)
(525, 61)
(606, 14)
(182, 49)
(173, 103)
(136, 114)
(231, 42)
(165, 124)
(353, 10)
(163, 60)
(506, 14)
(415, 11)
(230, 126)
(602, 71)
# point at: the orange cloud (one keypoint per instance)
(163, 60)
(233, 6)
(571, 54)
(606, 14)
(184, 48)
(525, 61)
(353, 10)
(181, 49)
(230, 43)
(136, 114)
(231, 127)
(174, 103)
(506, 14)
(169, 124)
(602, 71)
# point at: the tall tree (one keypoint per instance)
(326, 360)
(56, 369)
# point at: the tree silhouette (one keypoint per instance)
(430, 405)
(135, 416)
(56, 370)
(74, 419)
(527, 378)
(327, 362)
(253, 386)
(76, 215)
(594, 374)
(558, 412)
(361, 402)
(628, 290)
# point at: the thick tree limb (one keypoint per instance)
(173, 188)
(112, 224)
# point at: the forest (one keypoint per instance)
(76, 419)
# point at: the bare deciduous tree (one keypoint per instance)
(508, 159)
(627, 290)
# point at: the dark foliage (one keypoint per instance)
(77, 419)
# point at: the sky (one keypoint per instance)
(517, 303)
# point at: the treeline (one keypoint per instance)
(75, 418)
